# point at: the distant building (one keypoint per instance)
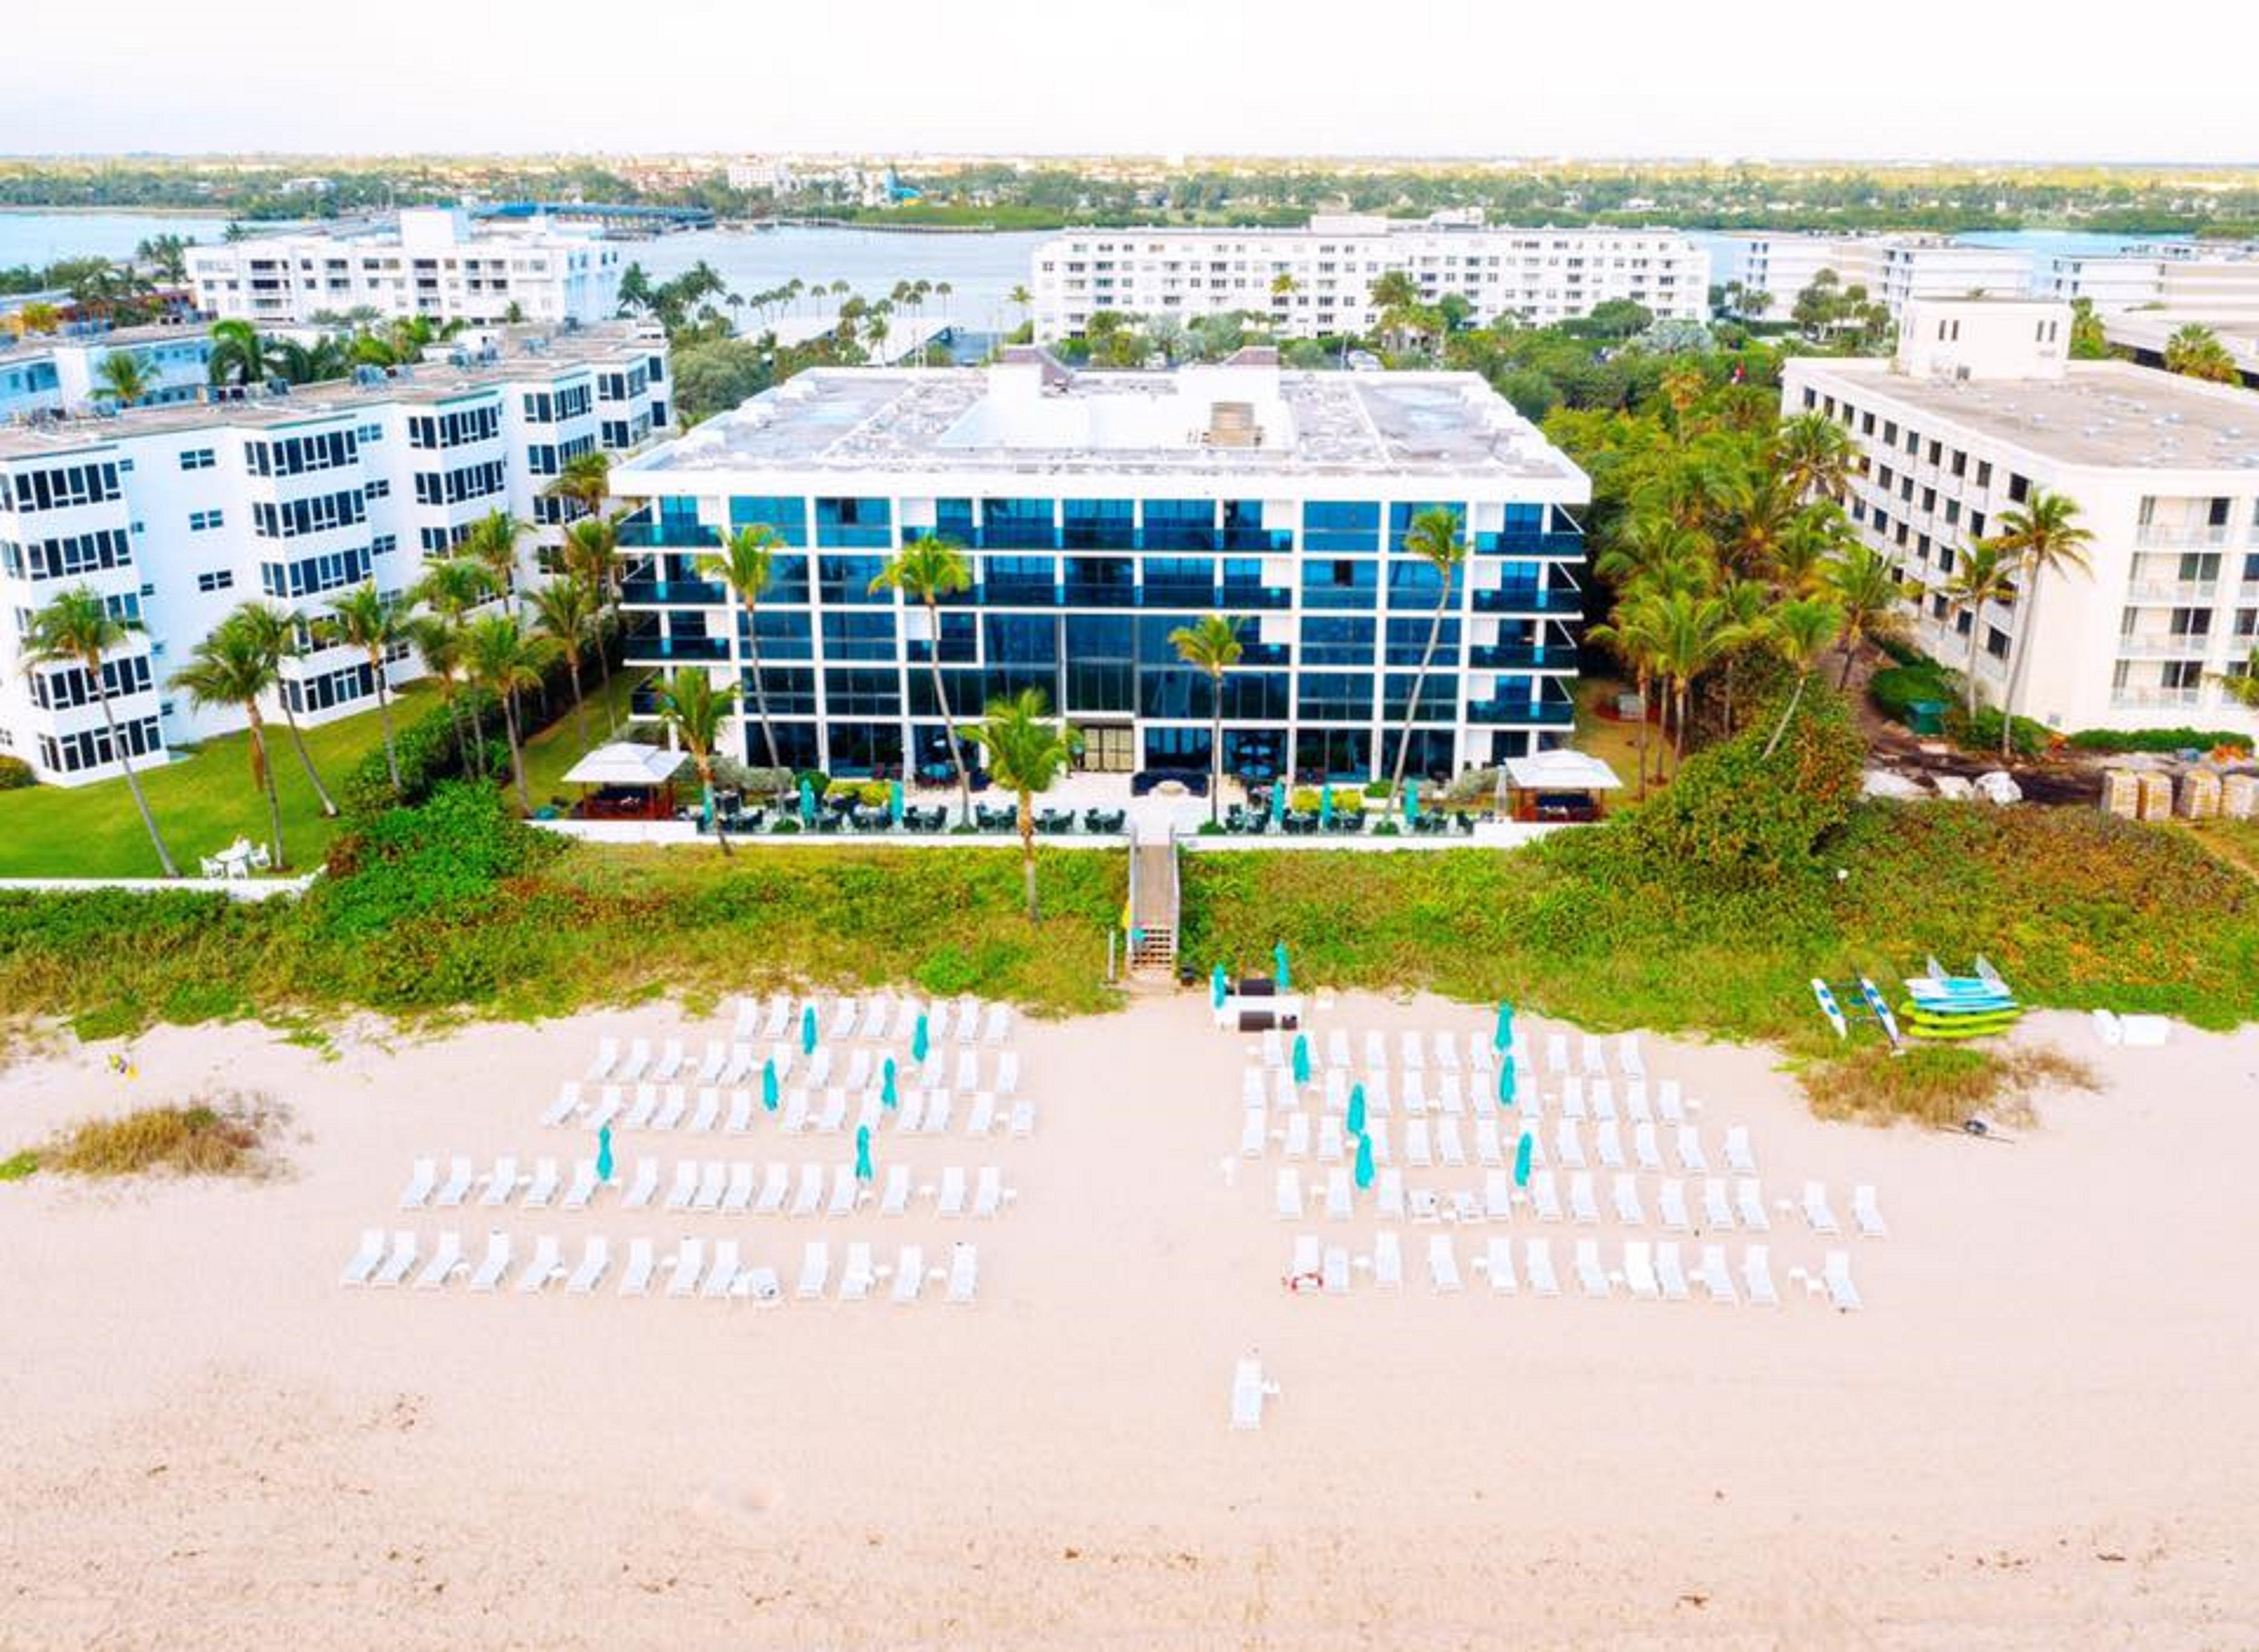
(433, 262)
(1319, 280)
(50, 374)
(2145, 334)
(177, 513)
(1765, 270)
(1981, 407)
(2218, 282)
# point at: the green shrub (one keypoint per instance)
(1982, 732)
(18, 1166)
(16, 774)
(1896, 688)
(430, 751)
(1377, 788)
(785, 825)
(815, 780)
(406, 863)
(1905, 652)
(2157, 739)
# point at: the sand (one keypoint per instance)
(2042, 1431)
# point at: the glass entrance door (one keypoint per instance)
(1108, 748)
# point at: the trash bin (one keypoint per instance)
(1925, 716)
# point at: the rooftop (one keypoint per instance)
(1030, 415)
(2106, 414)
(45, 344)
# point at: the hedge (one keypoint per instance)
(2157, 739)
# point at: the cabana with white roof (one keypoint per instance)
(1559, 785)
(625, 782)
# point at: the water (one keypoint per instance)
(40, 238)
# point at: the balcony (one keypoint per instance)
(1566, 546)
(2150, 699)
(2163, 647)
(1523, 599)
(673, 593)
(2173, 590)
(1542, 714)
(663, 651)
(674, 534)
(2182, 535)
(1523, 657)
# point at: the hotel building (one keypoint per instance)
(1099, 512)
(2186, 278)
(1980, 407)
(174, 515)
(1772, 267)
(432, 262)
(1316, 281)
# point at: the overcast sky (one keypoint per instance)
(1970, 78)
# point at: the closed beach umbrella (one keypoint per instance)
(1503, 1038)
(1354, 1122)
(894, 803)
(886, 1096)
(1301, 1059)
(1279, 957)
(807, 803)
(1279, 802)
(919, 1044)
(1411, 800)
(1364, 1161)
(1522, 1150)
(862, 1152)
(1506, 1082)
(1217, 987)
(808, 1030)
(1326, 804)
(769, 1084)
(604, 1153)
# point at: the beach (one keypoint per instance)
(2039, 1431)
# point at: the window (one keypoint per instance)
(67, 555)
(452, 487)
(68, 686)
(2020, 487)
(217, 580)
(292, 517)
(196, 458)
(479, 423)
(1984, 472)
(338, 687)
(66, 485)
(311, 575)
(297, 455)
(71, 752)
(202, 521)
(368, 434)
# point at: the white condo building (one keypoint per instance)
(1895, 269)
(1099, 512)
(1981, 406)
(61, 373)
(432, 262)
(2192, 279)
(1327, 269)
(177, 514)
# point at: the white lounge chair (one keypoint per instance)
(1572, 1098)
(595, 1261)
(1333, 1143)
(996, 1026)
(686, 1185)
(1490, 1150)
(793, 1119)
(423, 1177)
(1254, 1091)
(1646, 1149)
(1545, 1195)
(1274, 1049)
(1498, 1262)
(1376, 1054)
(1254, 1134)
(1717, 1277)
(1584, 1207)
(1638, 1270)
(1591, 1275)
(1335, 1273)
(721, 1272)
(815, 1271)
(1248, 1391)
(1337, 1194)
(1417, 1152)
(541, 1192)
(895, 1198)
(1756, 1276)
(1443, 1263)
(1290, 1195)
(964, 1273)
(1668, 1105)
(1717, 1204)
(546, 1265)
(1390, 1201)
(494, 1265)
(1447, 1051)
(444, 1264)
(831, 1118)
(684, 1270)
(709, 1109)
(717, 1062)
(644, 1110)
(1670, 1205)
(1689, 1144)
(638, 1064)
(1866, 1215)
(1284, 1095)
(747, 1022)
(1298, 1135)
(1388, 1260)
(366, 1260)
(1670, 1271)
(1450, 1148)
(982, 1118)
(1836, 1271)
(968, 1019)
(1749, 1206)
(642, 1263)
(1537, 1263)
(778, 1019)
(1023, 1120)
(713, 1182)
(1450, 1099)
(607, 1056)
(502, 1184)
(1557, 1054)
(584, 1184)
(1636, 1107)
(844, 1191)
(1498, 1196)
(1739, 1156)
(858, 1277)
(739, 1195)
(1817, 1212)
(1630, 1211)
(1603, 1098)
(1413, 1049)
(989, 1192)
(566, 1104)
(742, 1065)
(807, 1193)
(819, 1068)
(1608, 1141)
(909, 1274)
(1628, 1059)
(1008, 1074)
(459, 1177)
(644, 1184)
(1338, 1055)
(1568, 1144)
(1595, 1056)
(951, 1199)
(607, 1107)
(670, 1061)
(968, 1070)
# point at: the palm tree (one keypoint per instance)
(451, 589)
(1692, 633)
(2196, 351)
(1800, 631)
(1630, 634)
(231, 668)
(1434, 538)
(76, 628)
(745, 565)
(1746, 604)
(276, 630)
(1650, 549)
(364, 620)
(1814, 455)
(2043, 538)
(585, 479)
(126, 376)
(239, 354)
(1871, 595)
(1026, 750)
(1814, 537)
(492, 543)
(167, 255)
(924, 571)
(1982, 576)
(2242, 687)
(1211, 645)
(565, 611)
(1023, 301)
(297, 363)
(438, 643)
(592, 550)
(505, 659)
(691, 705)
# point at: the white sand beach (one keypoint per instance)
(2041, 1430)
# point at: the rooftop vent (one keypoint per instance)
(1232, 425)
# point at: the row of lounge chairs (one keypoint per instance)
(711, 1184)
(1414, 1051)
(1427, 1142)
(693, 1270)
(734, 1061)
(1651, 1272)
(879, 1018)
(1449, 1093)
(1721, 1208)
(919, 1111)
(654, 1106)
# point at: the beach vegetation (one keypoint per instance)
(19, 1166)
(223, 1134)
(1943, 1086)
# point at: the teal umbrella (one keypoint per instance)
(807, 803)
(1503, 1038)
(862, 1152)
(894, 803)
(1279, 956)
(918, 1043)
(1411, 800)
(1217, 987)
(1301, 1059)
(1326, 806)
(887, 1095)
(604, 1153)
(1522, 1150)
(1506, 1082)
(808, 1030)
(1364, 1161)
(1279, 802)
(769, 1084)
(1354, 1122)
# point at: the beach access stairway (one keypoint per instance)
(1153, 905)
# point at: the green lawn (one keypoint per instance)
(550, 751)
(203, 802)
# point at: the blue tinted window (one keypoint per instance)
(1341, 525)
(1338, 642)
(1101, 524)
(1020, 640)
(1339, 582)
(854, 522)
(788, 515)
(1330, 696)
(1187, 525)
(1019, 522)
(859, 636)
(848, 579)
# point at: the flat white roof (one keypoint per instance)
(1561, 770)
(625, 763)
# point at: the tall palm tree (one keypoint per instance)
(1211, 645)
(126, 376)
(438, 643)
(745, 564)
(1692, 634)
(1630, 633)
(1027, 750)
(505, 659)
(924, 571)
(690, 704)
(1747, 603)
(1814, 455)
(2242, 687)
(239, 354)
(1434, 538)
(585, 479)
(361, 618)
(1984, 574)
(76, 628)
(450, 589)
(1800, 631)
(492, 543)
(1648, 549)
(1872, 597)
(592, 550)
(276, 630)
(231, 667)
(2043, 538)
(565, 612)
(1814, 537)
(1024, 303)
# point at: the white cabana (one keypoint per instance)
(1548, 786)
(625, 763)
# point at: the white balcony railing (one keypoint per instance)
(2146, 698)
(2163, 647)
(2174, 590)
(2180, 536)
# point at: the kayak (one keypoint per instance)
(1829, 1006)
(1921, 1024)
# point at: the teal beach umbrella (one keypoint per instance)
(1279, 957)
(1522, 1150)
(1411, 800)
(1503, 1038)
(894, 803)
(807, 803)
(1279, 802)
(604, 1154)
(862, 1152)
(808, 1030)
(1506, 1082)
(919, 1043)
(1217, 987)
(769, 1084)
(1354, 1122)
(1364, 1161)
(1326, 805)
(1301, 1059)
(887, 1094)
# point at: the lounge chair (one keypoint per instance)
(1443, 1263)
(423, 1176)
(1584, 1206)
(1670, 1205)
(1835, 1272)
(742, 1065)
(1388, 1260)
(1023, 1120)
(566, 1104)
(1450, 1097)
(373, 1264)
(607, 1056)
(964, 1273)
(747, 1022)
(778, 1018)
(541, 1192)
(815, 1271)
(1451, 1148)
(738, 1194)
(646, 1108)
(596, 1261)
(1414, 1050)
(807, 1193)
(1254, 1091)
(982, 1117)
(989, 1192)
(909, 1274)
(717, 1062)
(1630, 1211)
(1248, 1391)
(458, 1187)
(1537, 1263)
(968, 1019)
(1595, 1056)
(1568, 1144)
(895, 1199)
(709, 1111)
(968, 1070)
(1738, 1154)
(1376, 1131)
(1629, 1058)
(1749, 1206)
(721, 1272)
(951, 1199)
(1337, 1057)
(1717, 1277)
(819, 1068)
(546, 1265)
(1688, 1146)
(1338, 1198)
(845, 1190)
(741, 1112)
(1334, 1274)
(1866, 1215)
(1591, 1275)
(1636, 1107)
(1646, 1147)
(846, 1016)
(642, 1263)
(1390, 1201)
(1274, 1049)
(1670, 1271)
(679, 1196)
(776, 1187)
(638, 1064)
(1557, 1054)
(1376, 1054)
(1602, 1096)
(502, 1184)
(1481, 1057)
(1290, 1195)
(1609, 1143)
(584, 1184)
(684, 1270)
(1756, 1276)
(1416, 1092)
(996, 1026)
(832, 1118)
(1447, 1051)
(1498, 1262)
(1817, 1212)
(1717, 1204)
(1496, 1196)
(494, 1265)
(1008, 1074)
(1668, 1107)
(877, 1020)
(1545, 1195)
(1283, 1092)
(910, 1116)
(1572, 1098)
(444, 1261)
(1490, 1150)
(1417, 1153)
(1377, 1097)
(794, 1117)
(858, 1277)
(670, 1062)
(607, 1107)
(1639, 1271)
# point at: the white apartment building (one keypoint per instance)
(432, 262)
(1774, 267)
(2214, 283)
(1319, 280)
(60, 371)
(1980, 407)
(174, 515)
